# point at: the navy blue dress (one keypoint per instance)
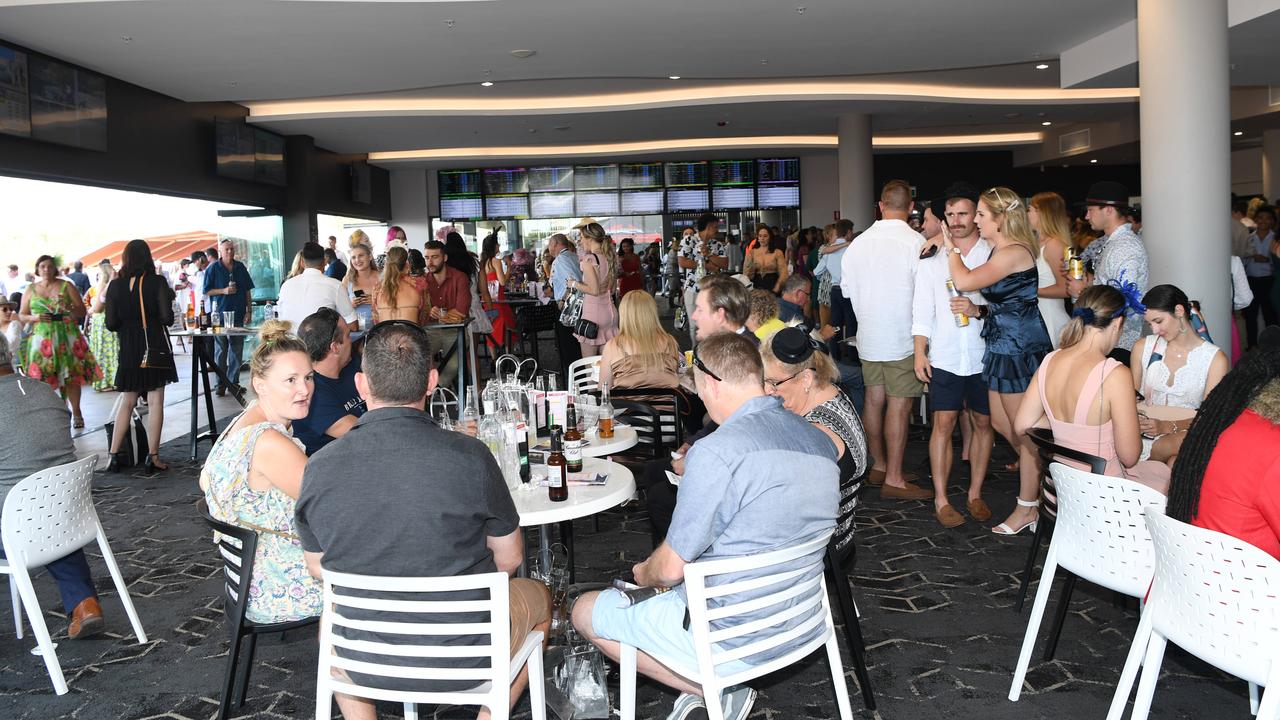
(1016, 337)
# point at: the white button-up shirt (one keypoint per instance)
(878, 278)
(958, 350)
(303, 294)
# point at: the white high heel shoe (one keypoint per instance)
(1005, 530)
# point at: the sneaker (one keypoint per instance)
(737, 702)
(685, 706)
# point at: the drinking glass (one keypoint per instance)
(229, 319)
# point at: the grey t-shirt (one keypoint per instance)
(35, 431)
(764, 480)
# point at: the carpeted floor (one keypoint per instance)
(941, 636)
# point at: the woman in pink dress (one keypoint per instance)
(599, 277)
(1086, 398)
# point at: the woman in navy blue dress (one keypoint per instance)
(1014, 332)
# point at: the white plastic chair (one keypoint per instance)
(47, 516)
(1216, 597)
(584, 375)
(803, 586)
(1100, 537)
(492, 684)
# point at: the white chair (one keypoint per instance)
(584, 375)
(1099, 537)
(492, 684)
(47, 516)
(775, 580)
(1216, 597)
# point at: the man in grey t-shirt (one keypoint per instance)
(740, 495)
(35, 435)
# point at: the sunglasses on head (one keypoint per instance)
(697, 362)
(373, 331)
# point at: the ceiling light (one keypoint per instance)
(1093, 161)
(1047, 123)
(1238, 133)
(673, 77)
(522, 54)
(1042, 66)
(487, 83)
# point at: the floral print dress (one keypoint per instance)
(281, 588)
(104, 345)
(57, 353)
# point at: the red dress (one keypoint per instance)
(627, 282)
(505, 318)
(1240, 493)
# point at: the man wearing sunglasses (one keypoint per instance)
(740, 496)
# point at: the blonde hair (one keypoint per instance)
(823, 367)
(1005, 205)
(1254, 205)
(274, 338)
(297, 267)
(595, 232)
(1054, 221)
(358, 238)
(640, 331)
(352, 273)
(395, 268)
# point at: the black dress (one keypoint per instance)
(124, 317)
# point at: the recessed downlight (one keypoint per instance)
(1042, 66)
(1047, 123)
(1093, 161)
(522, 54)
(487, 83)
(1238, 133)
(673, 77)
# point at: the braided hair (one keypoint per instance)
(1230, 398)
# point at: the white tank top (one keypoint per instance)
(1187, 389)
(1052, 310)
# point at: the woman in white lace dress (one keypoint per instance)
(1174, 369)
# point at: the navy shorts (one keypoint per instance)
(949, 392)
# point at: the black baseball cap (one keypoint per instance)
(1109, 193)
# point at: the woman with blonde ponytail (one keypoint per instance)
(1014, 332)
(397, 298)
(599, 278)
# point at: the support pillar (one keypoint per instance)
(409, 207)
(300, 224)
(854, 165)
(1271, 164)
(1186, 154)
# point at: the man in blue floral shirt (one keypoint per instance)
(1118, 257)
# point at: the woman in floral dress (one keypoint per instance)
(103, 343)
(57, 353)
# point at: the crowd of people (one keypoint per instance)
(1011, 315)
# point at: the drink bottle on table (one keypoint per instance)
(557, 471)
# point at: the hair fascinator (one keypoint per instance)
(1132, 295)
(1085, 314)
(792, 346)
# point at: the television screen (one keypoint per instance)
(505, 181)
(268, 157)
(687, 200)
(778, 170)
(641, 175)
(68, 106)
(361, 182)
(459, 182)
(515, 207)
(728, 173)
(551, 205)
(15, 106)
(596, 203)
(234, 145)
(462, 209)
(733, 198)
(686, 174)
(595, 177)
(641, 202)
(778, 196)
(554, 178)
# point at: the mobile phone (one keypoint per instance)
(929, 252)
(359, 293)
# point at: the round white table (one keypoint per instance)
(624, 438)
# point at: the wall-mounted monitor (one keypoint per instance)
(733, 198)
(686, 174)
(595, 177)
(637, 176)
(15, 102)
(505, 181)
(361, 182)
(461, 197)
(733, 173)
(462, 209)
(459, 182)
(551, 178)
(777, 170)
(776, 197)
(268, 157)
(642, 202)
(506, 207)
(687, 200)
(244, 152)
(67, 105)
(596, 204)
(551, 205)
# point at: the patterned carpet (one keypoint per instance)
(941, 636)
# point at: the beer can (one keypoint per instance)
(962, 320)
(1075, 268)
(1068, 252)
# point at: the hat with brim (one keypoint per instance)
(6, 302)
(1108, 193)
(585, 222)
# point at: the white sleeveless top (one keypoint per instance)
(1052, 310)
(1187, 389)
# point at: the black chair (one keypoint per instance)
(666, 402)
(237, 568)
(837, 562)
(656, 433)
(1050, 452)
(531, 321)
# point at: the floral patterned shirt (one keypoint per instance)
(1121, 252)
(690, 246)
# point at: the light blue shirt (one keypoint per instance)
(564, 267)
(742, 494)
(833, 265)
(1259, 246)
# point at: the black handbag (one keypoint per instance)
(157, 358)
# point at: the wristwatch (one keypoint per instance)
(983, 311)
(955, 250)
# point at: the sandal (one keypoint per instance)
(1006, 530)
(77, 422)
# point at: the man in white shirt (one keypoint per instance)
(333, 245)
(311, 290)
(199, 261)
(949, 358)
(878, 278)
(842, 315)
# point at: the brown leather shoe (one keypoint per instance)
(948, 516)
(910, 492)
(86, 619)
(978, 510)
(876, 477)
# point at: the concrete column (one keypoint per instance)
(1271, 164)
(1186, 155)
(300, 224)
(409, 207)
(854, 165)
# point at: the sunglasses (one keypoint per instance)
(775, 383)
(385, 324)
(697, 362)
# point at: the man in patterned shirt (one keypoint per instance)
(705, 244)
(1117, 256)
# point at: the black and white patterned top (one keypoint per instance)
(690, 246)
(840, 417)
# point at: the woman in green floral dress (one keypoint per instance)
(57, 353)
(104, 344)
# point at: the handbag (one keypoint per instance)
(153, 358)
(572, 311)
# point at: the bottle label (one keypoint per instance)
(573, 452)
(555, 476)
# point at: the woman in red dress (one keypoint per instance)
(630, 269)
(495, 288)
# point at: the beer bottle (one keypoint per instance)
(572, 441)
(606, 414)
(557, 472)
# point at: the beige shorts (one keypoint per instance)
(530, 603)
(897, 376)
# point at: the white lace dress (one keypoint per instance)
(1052, 310)
(1185, 389)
